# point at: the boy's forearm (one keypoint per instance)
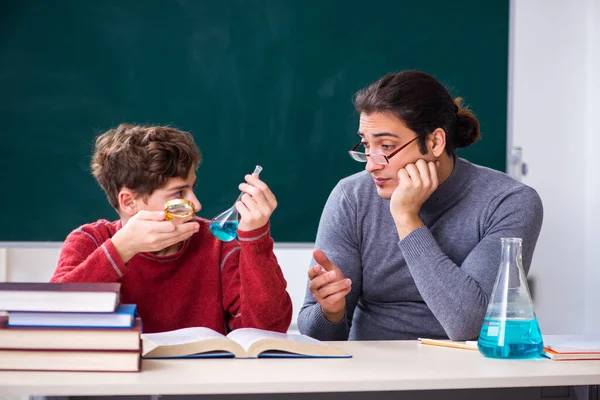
(266, 302)
(124, 247)
(101, 265)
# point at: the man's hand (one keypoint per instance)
(256, 205)
(329, 287)
(148, 231)
(416, 182)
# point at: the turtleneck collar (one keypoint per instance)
(452, 186)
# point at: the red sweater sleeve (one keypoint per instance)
(254, 289)
(84, 258)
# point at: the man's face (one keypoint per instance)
(384, 133)
(174, 188)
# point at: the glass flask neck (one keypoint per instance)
(511, 250)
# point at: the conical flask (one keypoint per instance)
(224, 226)
(510, 328)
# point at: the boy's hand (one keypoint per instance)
(148, 231)
(256, 205)
(329, 287)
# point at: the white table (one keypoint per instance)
(376, 366)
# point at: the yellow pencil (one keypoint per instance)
(469, 345)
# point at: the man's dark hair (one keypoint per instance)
(423, 104)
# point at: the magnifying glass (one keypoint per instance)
(179, 208)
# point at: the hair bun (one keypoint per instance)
(467, 131)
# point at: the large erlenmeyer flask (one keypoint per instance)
(224, 226)
(510, 328)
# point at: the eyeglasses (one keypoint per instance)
(381, 159)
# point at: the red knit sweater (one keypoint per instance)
(206, 283)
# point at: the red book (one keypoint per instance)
(59, 297)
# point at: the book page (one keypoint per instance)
(181, 336)
(246, 337)
(187, 342)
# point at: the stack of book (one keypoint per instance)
(572, 347)
(68, 327)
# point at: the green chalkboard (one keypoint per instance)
(256, 82)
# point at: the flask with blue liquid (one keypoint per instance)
(510, 328)
(224, 226)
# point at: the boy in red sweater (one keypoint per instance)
(177, 273)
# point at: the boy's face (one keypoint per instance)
(174, 188)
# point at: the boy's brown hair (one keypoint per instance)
(142, 158)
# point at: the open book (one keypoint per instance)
(240, 343)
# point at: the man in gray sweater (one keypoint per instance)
(411, 247)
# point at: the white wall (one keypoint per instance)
(554, 62)
(592, 233)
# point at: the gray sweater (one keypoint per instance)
(438, 280)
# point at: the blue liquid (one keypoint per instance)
(225, 232)
(522, 339)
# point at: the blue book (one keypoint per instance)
(203, 342)
(123, 317)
